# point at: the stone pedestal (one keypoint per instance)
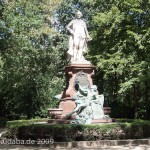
(76, 73)
(67, 121)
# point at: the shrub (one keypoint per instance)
(18, 123)
(3, 122)
(65, 133)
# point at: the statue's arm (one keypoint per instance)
(87, 33)
(68, 27)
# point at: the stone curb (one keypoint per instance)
(83, 145)
(95, 144)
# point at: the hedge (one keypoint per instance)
(3, 122)
(19, 123)
(65, 133)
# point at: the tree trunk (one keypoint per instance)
(147, 101)
(135, 102)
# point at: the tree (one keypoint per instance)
(119, 50)
(30, 58)
(122, 31)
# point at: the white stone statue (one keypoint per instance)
(78, 38)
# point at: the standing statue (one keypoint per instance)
(78, 38)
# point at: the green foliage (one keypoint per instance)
(30, 59)
(64, 133)
(17, 123)
(121, 52)
(3, 122)
(33, 49)
(119, 49)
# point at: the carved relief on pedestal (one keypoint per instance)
(82, 80)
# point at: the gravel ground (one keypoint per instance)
(21, 147)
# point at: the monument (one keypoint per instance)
(78, 38)
(79, 103)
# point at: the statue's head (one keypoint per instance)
(83, 90)
(79, 14)
(94, 88)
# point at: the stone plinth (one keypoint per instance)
(67, 121)
(107, 110)
(60, 114)
(104, 120)
(59, 121)
(67, 104)
(75, 73)
(55, 113)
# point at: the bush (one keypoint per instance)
(65, 133)
(3, 122)
(18, 123)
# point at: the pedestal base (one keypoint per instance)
(77, 73)
(98, 121)
(67, 105)
(60, 114)
(58, 121)
(67, 121)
